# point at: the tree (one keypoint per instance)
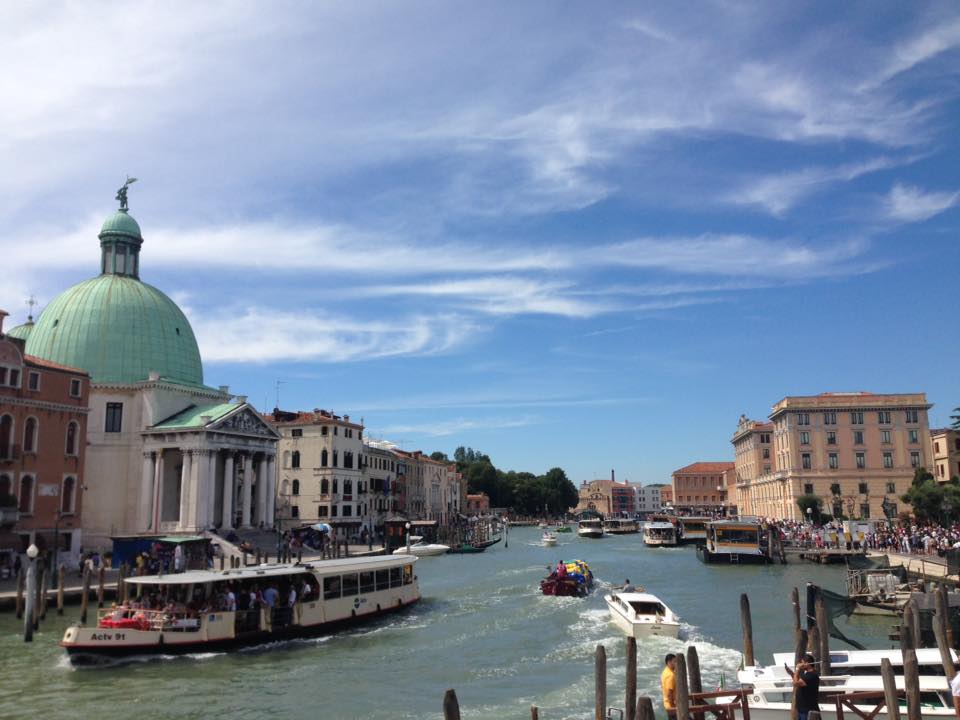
(956, 419)
(921, 475)
(926, 498)
(813, 502)
(439, 456)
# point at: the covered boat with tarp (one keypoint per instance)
(877, 588)
(570, 578)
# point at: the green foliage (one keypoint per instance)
(524, 492)
(933, 501)
(921, 475)
(810, 501)
(956, 419)
(439, 456)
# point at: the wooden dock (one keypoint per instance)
(823, 556)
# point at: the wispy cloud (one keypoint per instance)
(928, 43)
(913, 204)
(458, 426)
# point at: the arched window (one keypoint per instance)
(334, 486)
(286, 458)
(285, 487)
(69, 490)
(324, 486)
(72, 428)
(6, 488)
(295, 459)
(26, 494)
(323, 458)
(296, 487)
(6, 436)
(348, 487)
(348, 459)
(30, 435)
(334, 458)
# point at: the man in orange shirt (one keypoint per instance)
(668, 684)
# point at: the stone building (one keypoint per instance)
(946, 453)
(700, 486)
(166, 453)
(380, 477)
(856, 451)
(43, 445)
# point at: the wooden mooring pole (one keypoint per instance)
(600, 683)
(942, 593)
(645, 709)
(941, 621)
(795, 603)
(683, 691)
(693, 674)
(61, 576)
(890, 689)
(911, 680)
(42, 591)
(747, 624)
(21, 579)
(534, 712)
(630, 698)
(823, 626)
(85, 597)
(30, 613)
(101, 587)
(451, 706)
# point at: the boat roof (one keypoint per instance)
(659, 525)
(752, 524)
(638, 597)
(325, 567)
(853, 658)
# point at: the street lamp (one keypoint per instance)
(810, 515)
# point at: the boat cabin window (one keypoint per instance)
(407, 574)
(737, 535)
(396, 577)
(647, 608)
(350, 584)
(383, 579)
(366, 582)
(331, 587)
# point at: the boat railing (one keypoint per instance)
(123, 618)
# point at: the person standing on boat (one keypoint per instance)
(628, 586)
(668, 685)
(955, 692)
(806, 680)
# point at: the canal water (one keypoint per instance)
(482, 628)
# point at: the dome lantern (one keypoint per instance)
(120, 240)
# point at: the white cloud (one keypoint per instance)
(443, 428)
(912, 204)
(944, 35)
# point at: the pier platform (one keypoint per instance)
(822, 556)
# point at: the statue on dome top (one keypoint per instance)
(122, 192)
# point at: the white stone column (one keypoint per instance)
(271, 489)
(226, 518)
(146, 491)
(262, 493)
(198, 489)
(157, 492)
(186, 470)
(209, 517)
(247, 499)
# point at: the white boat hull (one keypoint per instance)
(781, 711)
(423, 550)
(637, 625)
(594, 534)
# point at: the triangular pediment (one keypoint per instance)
(246, 422)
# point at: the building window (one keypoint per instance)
(913, 416)
(335, 456)
(295, 487)
(834, 461)
(765, 438)
(856, 418)
(766, 453)
(865, 510)
(914, 459)
(803, 418)
(294, 511)
(805, 460)
(858, 437)
(804, 438)
(296, 432)
(33, 381)
(883, 417)
(888, 460)
(335, 430)
(348, 460)
(885, 437)
(835, 489)
(808, 488)
(30, 435)
(830, 418)
(831, 437)
(76, 387)
(766, 468)
(14, 377)
(333, 511)
(295, 459)
(348, 487)
(114, 421)
(25, 504)
(322, 511)
(72, 429)
(323, 458)
(334, 486)
(324, 487)
(324, 429)
(347, 510)
(861, 460)
(69, 488)
(891, 488)
(914, 437)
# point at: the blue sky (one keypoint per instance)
(565, 233)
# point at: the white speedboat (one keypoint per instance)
(422, 549)
(549, 539)
(851, 671)
(641, 615)
(590, 528)
(659, 533)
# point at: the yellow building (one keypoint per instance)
(946, 453)
(855, 451)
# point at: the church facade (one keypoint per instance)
(166, 453)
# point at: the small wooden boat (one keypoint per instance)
(641, 615)
(575, 581)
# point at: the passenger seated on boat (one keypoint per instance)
(628, 586)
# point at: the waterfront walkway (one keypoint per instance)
(928, 566)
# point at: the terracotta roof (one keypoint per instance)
(705, 468)
(317, 417)
(51, 365)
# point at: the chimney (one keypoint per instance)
(613, 476)
(241, 399)
(3, 314)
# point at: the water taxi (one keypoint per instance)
(422, 549)
(211, 611)
(620, 526)
(734, 541)
(693, 529)
(852, 671)
(641, 615)
(548, 539)
(659, 533)
(592, 528)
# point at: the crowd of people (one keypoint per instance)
(907, 539)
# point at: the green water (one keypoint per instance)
(482, 628)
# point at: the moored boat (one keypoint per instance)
(659, 533)
(692, 529)
(422, 549)
(853, 671)
(592, 528)
(212, 611)
(734, 541)
(641, 614)
(571, 578)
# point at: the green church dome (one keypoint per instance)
(117, 328)
(21, 331)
